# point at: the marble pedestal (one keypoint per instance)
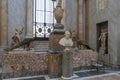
(54, 41)
(55, 56)
(67, 66)
(105, 57)
(102, 50)
(54, 65)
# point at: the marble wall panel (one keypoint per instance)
(16, 17)
(110, 14)
(71, 14)
(3, 24)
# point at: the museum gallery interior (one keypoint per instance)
(59, 40)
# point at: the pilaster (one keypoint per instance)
(80, 20)
(30, 12)
(4, 23)
(87, 20)
(64, 14)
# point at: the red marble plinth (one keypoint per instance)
(54, 41)
(54, 65)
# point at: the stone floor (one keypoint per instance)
(107, 77)
(80, 75)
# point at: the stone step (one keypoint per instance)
(41, 46)
(42, 43)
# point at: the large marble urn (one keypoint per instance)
(58, 13)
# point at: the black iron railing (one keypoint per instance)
(43, 18)
(42, 30)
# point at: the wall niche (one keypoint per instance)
(102, 37)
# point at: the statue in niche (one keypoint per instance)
(102, 38)
(66, 41)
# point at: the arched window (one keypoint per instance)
(43, 18)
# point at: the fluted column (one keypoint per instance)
(3, 23)
(80, 20)
(64, 14)
(30, 12)
(87, 20)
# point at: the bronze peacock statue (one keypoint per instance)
(77, 42)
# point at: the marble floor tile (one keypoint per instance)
(108, 76)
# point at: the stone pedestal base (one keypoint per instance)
(54, 65)
(102, 50)
(59, 26)
(66, 78)
(67, 66)
(103, 56)
(54, 41)
(70, 78)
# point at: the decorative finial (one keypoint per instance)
(59, 3)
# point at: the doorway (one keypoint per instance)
(102, 28)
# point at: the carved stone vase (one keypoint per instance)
(58, 12)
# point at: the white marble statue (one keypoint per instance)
(66, 41)
(103, 38)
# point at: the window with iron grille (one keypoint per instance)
(43, 18)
